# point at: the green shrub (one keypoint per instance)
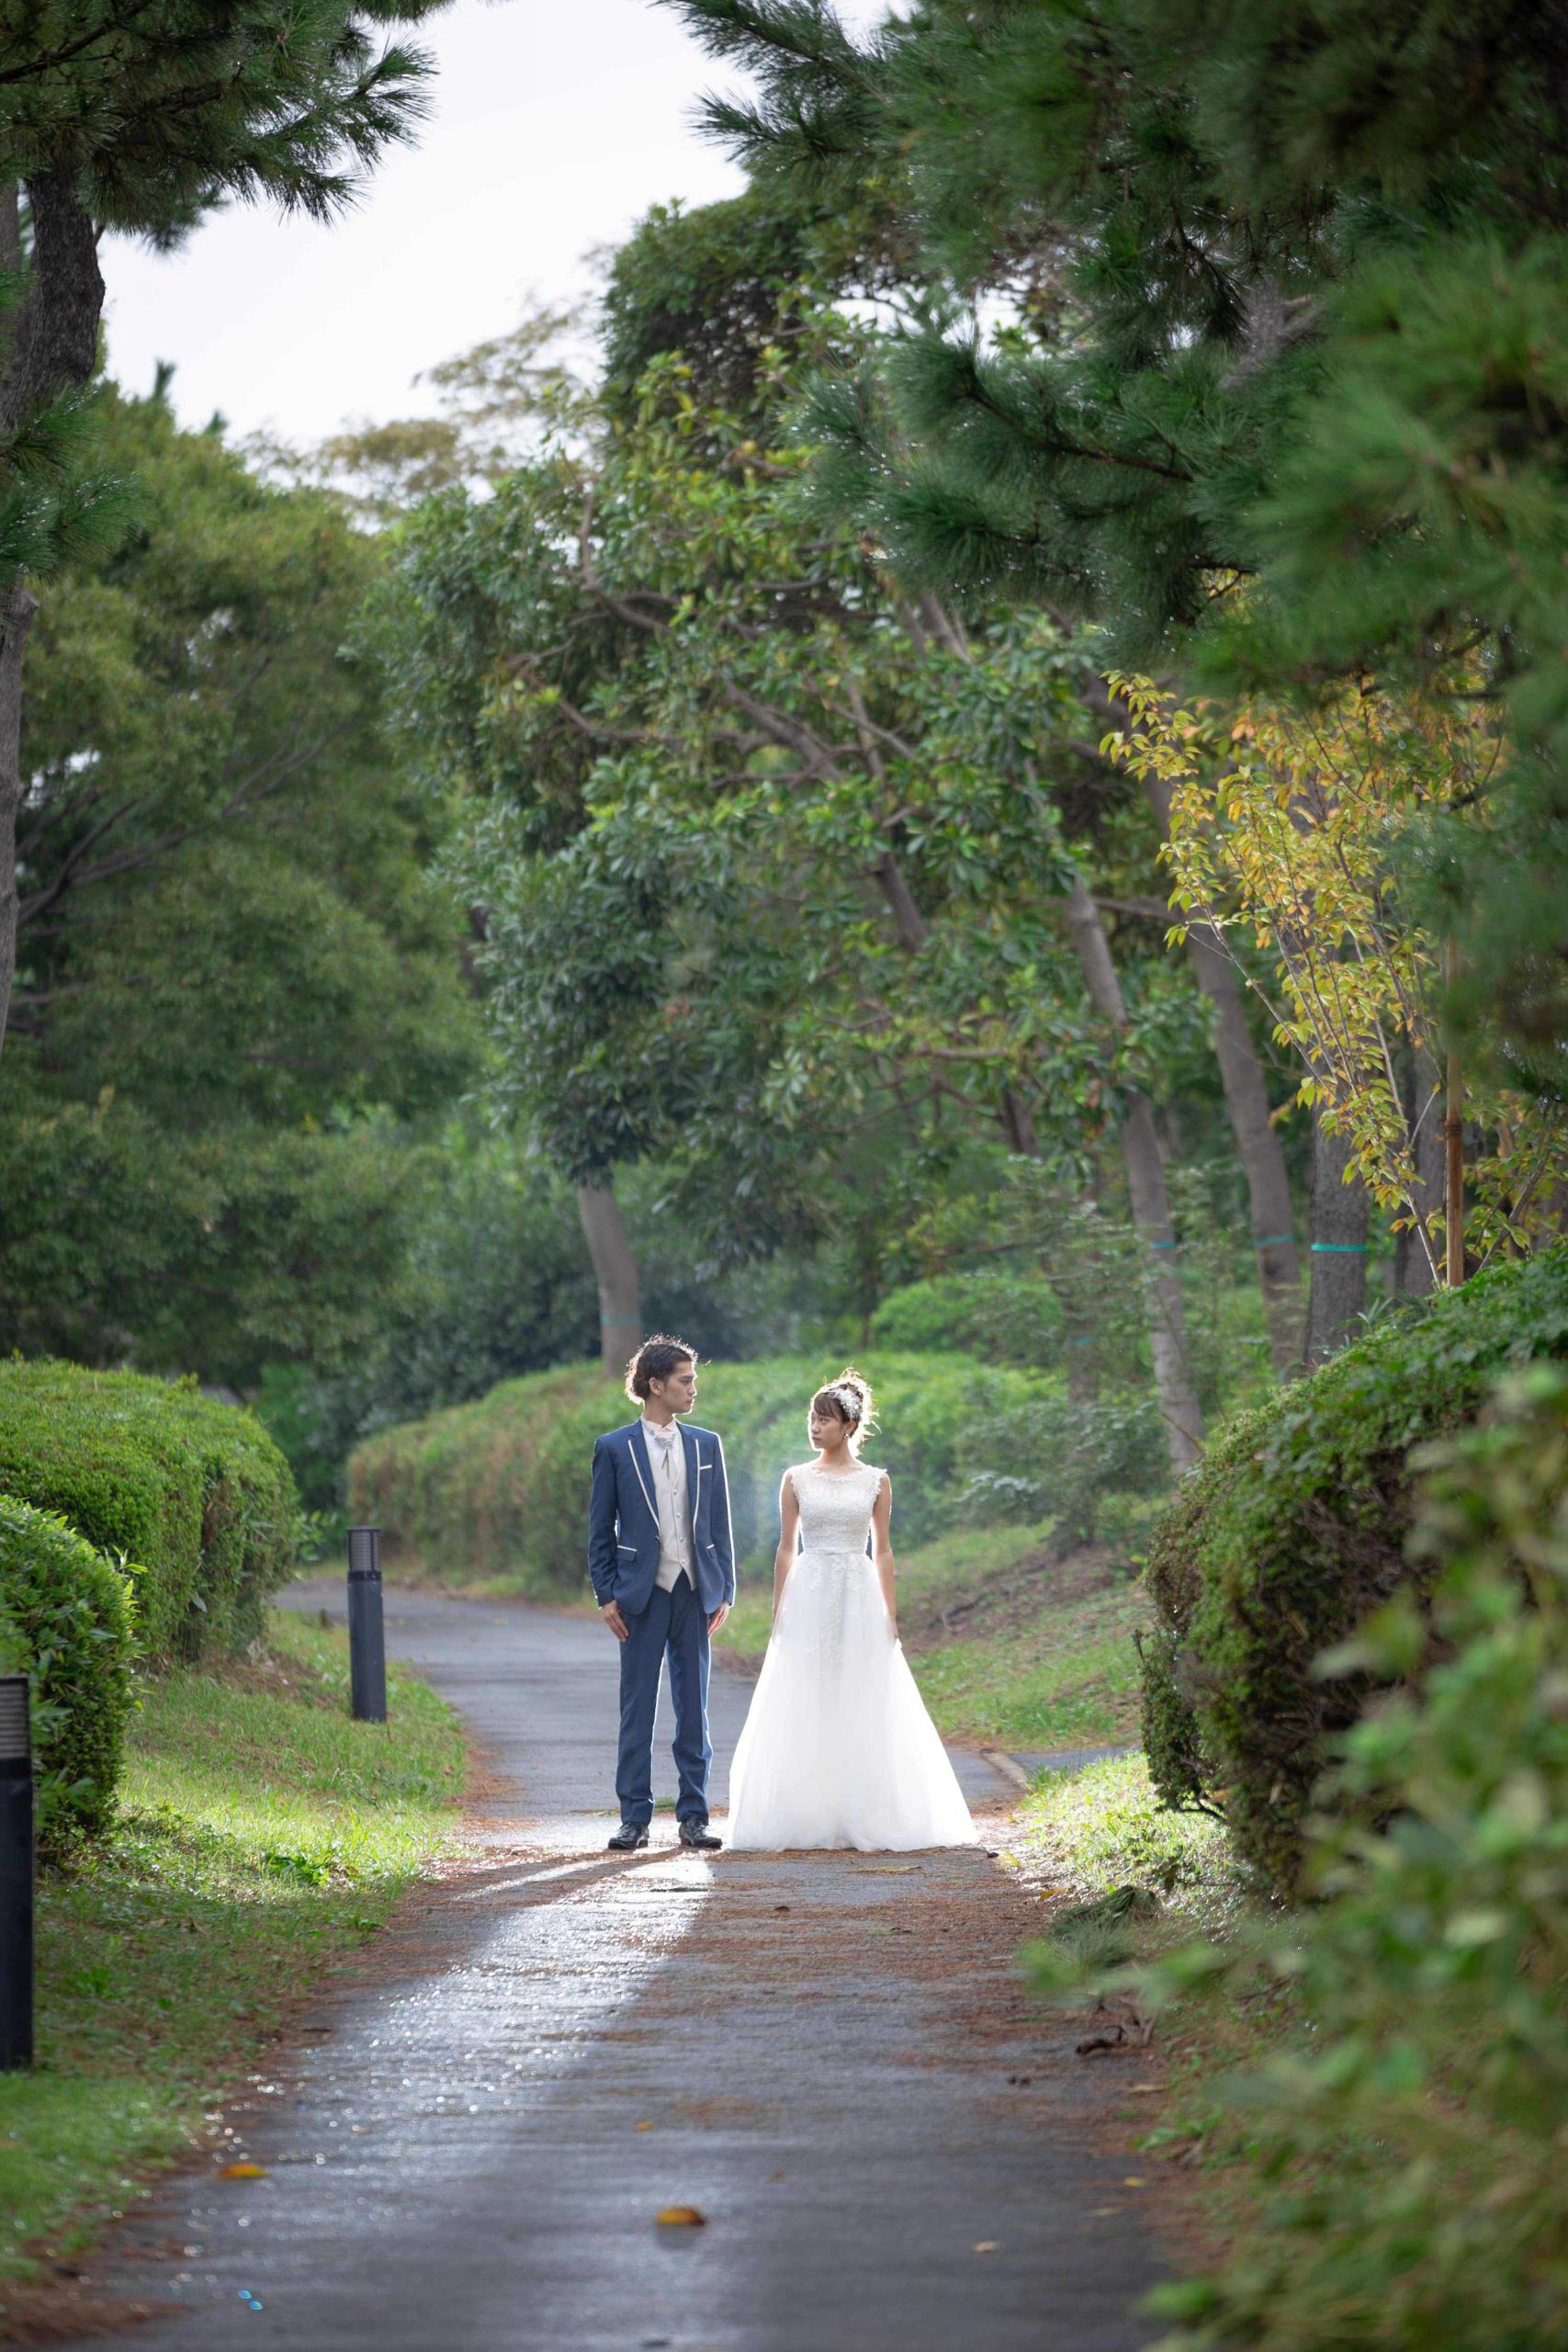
(1291, 1531)
(500, 1487)
(194, 1493)
(1415, 2124)
(1003, 1317)
(65, 1620)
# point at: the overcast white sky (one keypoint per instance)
(556, 123)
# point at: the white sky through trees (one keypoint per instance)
(556, 124)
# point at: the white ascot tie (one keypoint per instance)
(668, 1457)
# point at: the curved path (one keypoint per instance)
(830, 2056)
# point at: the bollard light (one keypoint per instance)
(366, 1644)
(16, 1874)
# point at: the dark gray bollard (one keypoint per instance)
(16, 1874)
(366, 1645)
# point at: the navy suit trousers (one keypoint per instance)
(675, 1624)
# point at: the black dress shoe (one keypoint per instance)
(698, 1834)
(628, 1838)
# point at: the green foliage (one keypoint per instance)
(66, 1620)
(500, 1487)
(1292, 1529)
(194, 1495)
(1287, 317)
(725, 286)
(771, 868)
(1052, 1452)
(214, 814)
(1416, 2125)
(141, 121)
(1003, 1317)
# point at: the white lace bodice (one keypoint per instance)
(835, 1506)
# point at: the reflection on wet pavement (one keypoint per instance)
(820, 2053)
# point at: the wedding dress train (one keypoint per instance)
(838, 1748)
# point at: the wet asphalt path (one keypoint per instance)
(830, 2056)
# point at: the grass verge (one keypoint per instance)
(1082, 1840)
(1011, 1645)
(262, 1832)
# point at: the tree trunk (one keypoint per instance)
(52, 343)
(1151, 1204)
(614, 1270)
(1413, 1268)
(17, 610)
(1338, 1289)
(1454, 1146)
(1258, 1144)
(1257, 1140)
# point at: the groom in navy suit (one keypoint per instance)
(662, 1563)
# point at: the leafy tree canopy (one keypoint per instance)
(1279, 399)
(237, 988)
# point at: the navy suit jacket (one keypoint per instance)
(623, 1520)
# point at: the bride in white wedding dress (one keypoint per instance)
(838, 1748)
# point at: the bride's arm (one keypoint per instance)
(789, 1522)
(882, 1546)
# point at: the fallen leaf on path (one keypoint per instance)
(1125, 2028)
(682, 2217)
(241, 2171)
(988, 2245)
(1134, 2180)
(645, 2127)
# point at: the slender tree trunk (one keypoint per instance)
(615, 1271)
(1453, 1146)
(1257, 1140)
(17, 610)
(1339, 1211)
(1272, 1215)
(1144, 1165)
(1412, 1270)
(52, 343)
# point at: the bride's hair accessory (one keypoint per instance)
(849, 1397)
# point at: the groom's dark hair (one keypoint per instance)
(655, 1360)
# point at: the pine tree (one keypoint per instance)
(119, 116)
(1293, 284)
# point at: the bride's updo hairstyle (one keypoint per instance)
(848, 1398)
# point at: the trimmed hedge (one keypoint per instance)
(500, 1487)
(194, 1494)
(66, 1620)
(1290, 1532)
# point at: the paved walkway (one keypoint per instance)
(831, 2057)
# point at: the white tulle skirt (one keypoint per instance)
(838, 1748)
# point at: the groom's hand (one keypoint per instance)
(611, 1613)
(719, 1614)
